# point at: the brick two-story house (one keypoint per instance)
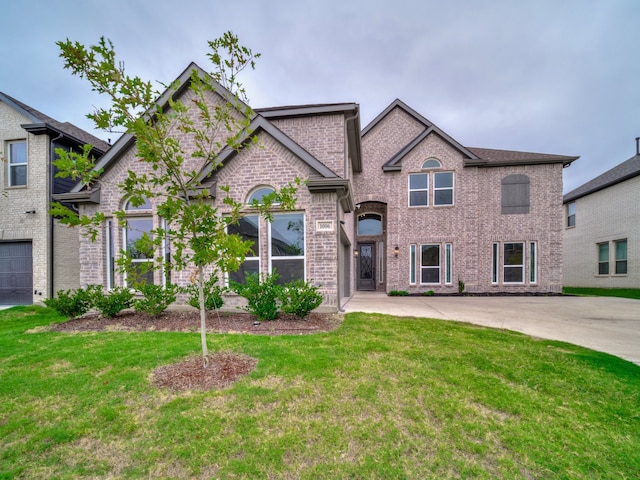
(399, 205)
(38, 256)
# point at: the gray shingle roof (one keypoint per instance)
(66, 128)
(624, 171)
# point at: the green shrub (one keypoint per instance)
(262, 296)
(72, 303)
(460, 286)
(212, 294)
(429, 293)
(398, 293)
(156, 298)
(113, 302)
(299, 298)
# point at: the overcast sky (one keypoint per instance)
(549, 76)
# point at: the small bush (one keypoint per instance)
(72, 303)
(113, 302)
(429, 293)
(212, 294)
(398, 293)
(262, 296)
(299, 298)
(156, 298)
(460, 286)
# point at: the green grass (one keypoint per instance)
(381, 397)
(603, 292)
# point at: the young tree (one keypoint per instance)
(166, 130)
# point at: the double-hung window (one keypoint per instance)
(17, 155)
(248, 229)
(443, 188)
(603, 258)
(621, 256)
(513, 255)
(286, 246)
(418, 189)
(137, 239)
(430, 263)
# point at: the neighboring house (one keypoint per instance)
(399, 205)
(37, 255)
(602, 229)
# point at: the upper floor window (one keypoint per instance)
(571, 214)
(259, 194)
(370, 224)
(17, 156)
(515, 194)
(431, 163)
(443, 187)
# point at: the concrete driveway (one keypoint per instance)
(606, 324)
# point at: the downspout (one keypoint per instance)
(52, 154)
(339, 199)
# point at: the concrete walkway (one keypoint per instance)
(605, 324)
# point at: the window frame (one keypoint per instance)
(441, 189)
(11, 165)
(619, 261)
(412, 264)
(418, 190)
(571, 215)
(521, 266)
(255, 248)
(431, 267)
(603, 247)
(272, 257)
(139, 212)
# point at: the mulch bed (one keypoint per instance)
(223, 368)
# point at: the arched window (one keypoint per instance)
(259, 194)
(370, 224)
(431, 163)
(146, 205)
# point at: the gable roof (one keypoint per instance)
(127, 140)
(624, 171)
(258, 124)
(42, 123)
(481, 157)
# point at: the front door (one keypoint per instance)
(366, 266)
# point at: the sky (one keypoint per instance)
(548, 76)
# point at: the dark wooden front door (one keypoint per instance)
(366, 266)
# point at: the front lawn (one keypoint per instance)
(603, 292)
(381, 397)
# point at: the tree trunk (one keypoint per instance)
(203, 318)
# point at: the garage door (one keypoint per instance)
(16, 273)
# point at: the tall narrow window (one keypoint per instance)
(380, 262)
(17, 153)
(287, 246)
(603, 258)
(247, 229)
(412, 264)
(513, 263)
(621, 256)
(447, 263)
(137, 239)
(109, 254)
(571, 214)
(443, 188)
(430, 263)
(418, 189)
(495, 262)
(533, 263)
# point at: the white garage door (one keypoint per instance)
(16, 273)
